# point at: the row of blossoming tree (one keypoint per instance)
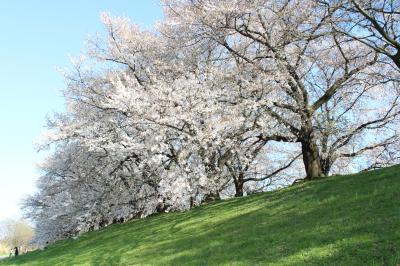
(223, 98)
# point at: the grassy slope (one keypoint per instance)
(344, 220)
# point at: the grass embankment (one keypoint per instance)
(343, 220)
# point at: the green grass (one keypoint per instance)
(342, 220)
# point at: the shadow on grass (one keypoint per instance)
(336, 221)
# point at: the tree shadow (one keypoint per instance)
(336, 221)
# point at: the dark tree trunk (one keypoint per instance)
(311, 159)
(191, 202)
(396, 59)
(326, 166)
(239, 185)
(212, 196)
(162, 206)
(239, 190)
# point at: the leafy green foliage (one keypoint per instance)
(342, 220)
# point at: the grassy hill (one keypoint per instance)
(342, 220)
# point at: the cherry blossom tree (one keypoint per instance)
(223, 98)
(375, 24)
(290, 46)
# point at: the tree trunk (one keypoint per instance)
(311, 159)
(396, 59)
(326, 166)
(191, 202)
(239, 185)
(212, 196)
(239, 189)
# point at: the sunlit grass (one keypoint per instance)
(343, 220)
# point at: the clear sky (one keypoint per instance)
(36, 37)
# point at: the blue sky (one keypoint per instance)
(36, 37)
